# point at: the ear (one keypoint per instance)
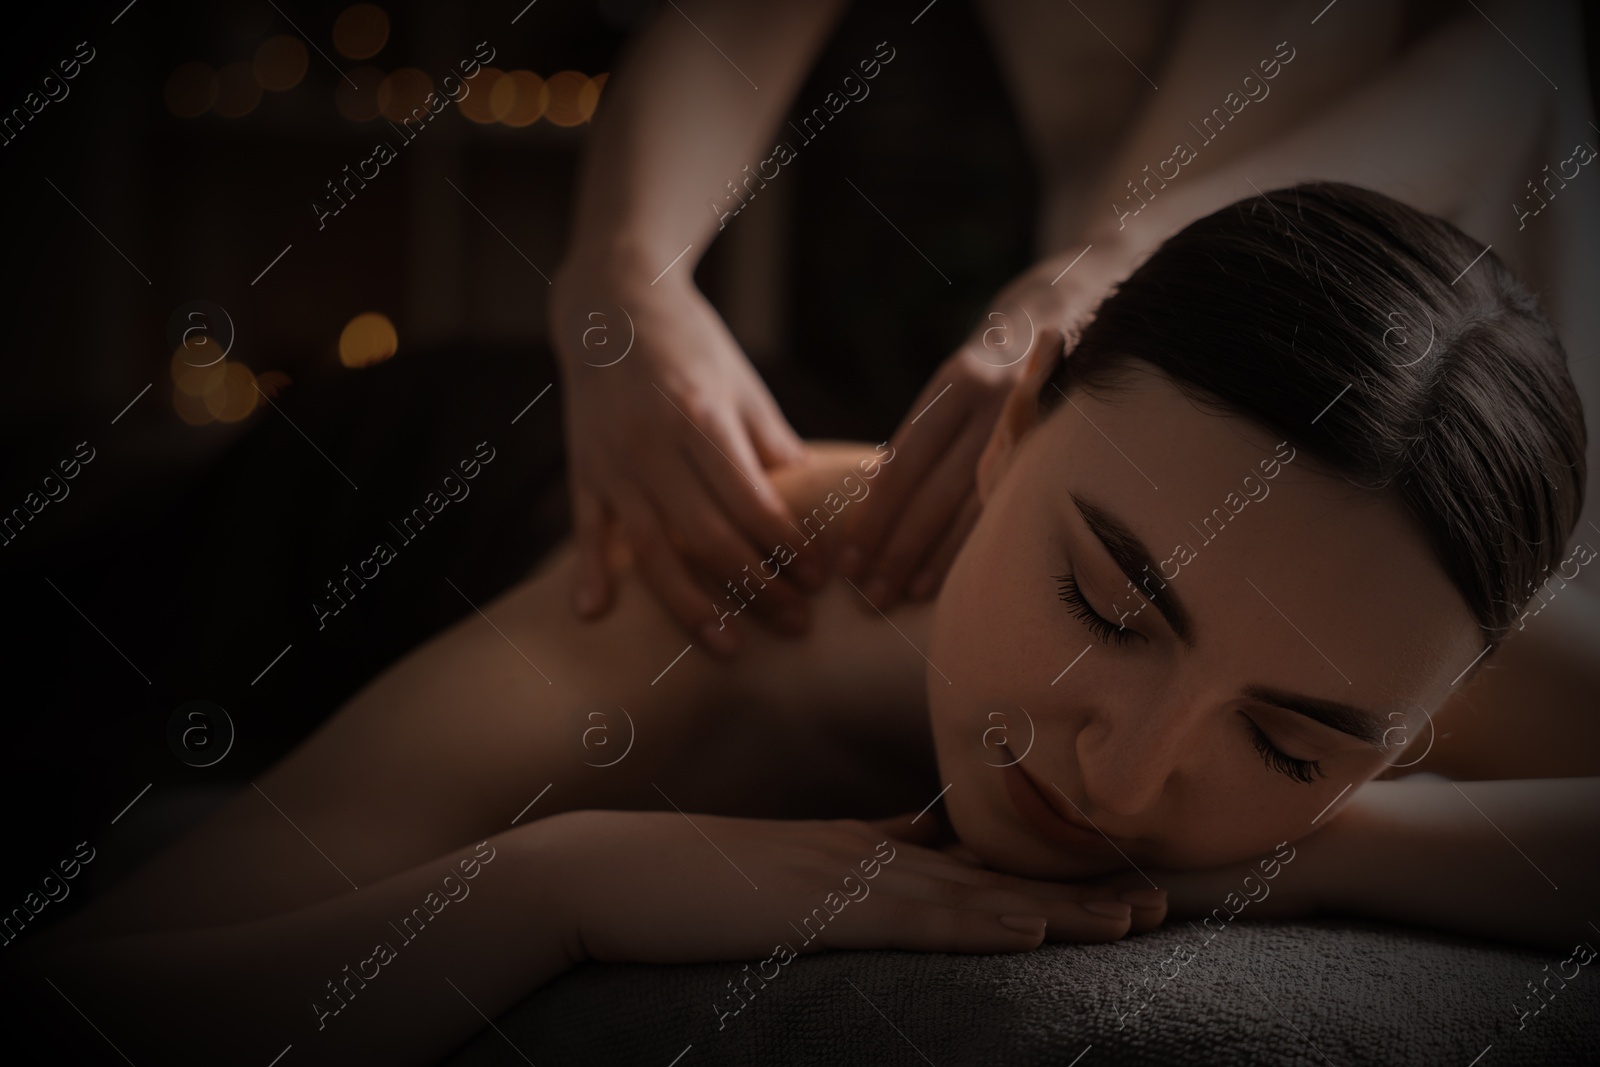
(1020, 414)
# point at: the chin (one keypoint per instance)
(1005, 846)
(986, 822)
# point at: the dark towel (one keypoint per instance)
(1312, 993)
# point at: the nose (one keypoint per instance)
(1127, 753)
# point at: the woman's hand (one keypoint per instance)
(1274, 887)
(662, 887)
(906, 536)
(670, 432)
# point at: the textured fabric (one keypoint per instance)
(1259, 993)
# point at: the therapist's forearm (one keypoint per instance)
(1236, 47)
(680, 121)
(1445, 115)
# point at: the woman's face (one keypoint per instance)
(1284, 636)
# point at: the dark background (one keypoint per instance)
(186, 557)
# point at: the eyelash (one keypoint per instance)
(1106, 631)
(1306, 771)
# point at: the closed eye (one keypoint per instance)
(1103, 629)
(1301, 770)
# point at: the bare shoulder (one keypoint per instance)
(835, 476)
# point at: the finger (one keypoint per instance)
(1149, 907)
(591, 586)
(923, 520)
(940, 865)
(930, 576)
(918, 443)
(740, 573)
(728, 463)
(1087, 917)
(918, 926)
(666, 576)
(934, 915)
(774, 439)
(916, 450)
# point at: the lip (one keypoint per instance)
(1039, 813)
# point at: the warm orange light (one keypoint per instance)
(280, 63)
(359, 104)
(402, 94)
(589, 95)
(367, 339)
(361, 31)
(273, 382)
(564, 107)
(478, 104)
(196, 371)
(191, 89)
(519, 98)
(236, 397)
(191, 409)
(237, 91)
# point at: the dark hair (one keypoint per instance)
(1386, 344)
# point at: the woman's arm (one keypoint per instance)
(1531, 710)
(1509, 860)
(401, 971)
(394, 973)
(1512, 860)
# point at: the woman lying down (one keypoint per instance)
(1244, 554)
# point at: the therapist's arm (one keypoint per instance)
(1431, 127)
(671, 431)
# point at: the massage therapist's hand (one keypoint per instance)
(903, 538)
(651, 887)
(670, 431)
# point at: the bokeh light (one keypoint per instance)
(280, 63)
(589, 95)
(191, 380)
(191, 89)
(403, 93)
(273, 382)
(478, 104)
(367, 339)
(191, 409)
(236, 397)
(564, 108)
(519, 98)
(359, 103)
(361, 31)
(237, 91)
(225, 391)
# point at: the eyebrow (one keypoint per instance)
(1132, 559)
(1354, 721)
